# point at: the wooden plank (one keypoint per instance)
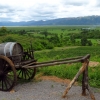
(51, 63)
(74, 79)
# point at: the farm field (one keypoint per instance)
(59, 42)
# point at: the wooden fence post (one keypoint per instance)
(75, 78)
(85, 84)
(85, 80)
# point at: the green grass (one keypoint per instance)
(66, 70)
(62, 71)
(70, 70)
(68, 52)
(24, 40)
(94, 76)
(94, 41)
(51, 29)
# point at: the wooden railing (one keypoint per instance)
(85, 85)
(83, 70)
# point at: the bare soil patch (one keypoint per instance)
(93, 64)
(56, 79)
(65, 81)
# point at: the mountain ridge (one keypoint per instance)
(85, 20)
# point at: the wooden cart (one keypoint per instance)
(12, 60)
(17, 63)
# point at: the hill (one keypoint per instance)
(87, 20)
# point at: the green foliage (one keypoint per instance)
(58, 35)
(22, 32)
(47, 45)
(9, 39)
(38, 46)
(55, 40)
(94, 76)
(70, 70)
(62, 71)
(67, 52)
(72, 38)
(44, 44)
(3, 31)
(84, 40)
(94, 34)
(89, 43)
(52, 37)
(45, 33)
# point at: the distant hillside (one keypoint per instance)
(87, 20)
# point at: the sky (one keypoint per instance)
(27, 10)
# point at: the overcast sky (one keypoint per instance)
(25, 10)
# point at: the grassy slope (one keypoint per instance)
(69, 70)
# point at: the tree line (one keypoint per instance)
(47, 40)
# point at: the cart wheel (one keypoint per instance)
(26, 74)
(8, 76)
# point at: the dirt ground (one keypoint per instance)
(56, 79)
(46, 90)
(93, 64)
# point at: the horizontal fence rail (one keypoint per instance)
(83, 70)
(56, 62)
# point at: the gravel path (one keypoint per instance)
(45, 90)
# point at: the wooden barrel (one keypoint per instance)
(11, 49)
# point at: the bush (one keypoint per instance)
(89, 43)
(9, 39)
(38, 46)
(47, 45)
(50, 46)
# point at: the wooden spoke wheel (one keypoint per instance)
(26, 74)
(8, 76)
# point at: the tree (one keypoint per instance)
(3, 31)
(72, 38)
(22, 32)
(45, 33)
(9, 39)
(84, 40)
(89, 43)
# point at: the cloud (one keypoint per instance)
(25, 10)
(74, 2)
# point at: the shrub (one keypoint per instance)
(38, 46)
(9, 39)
